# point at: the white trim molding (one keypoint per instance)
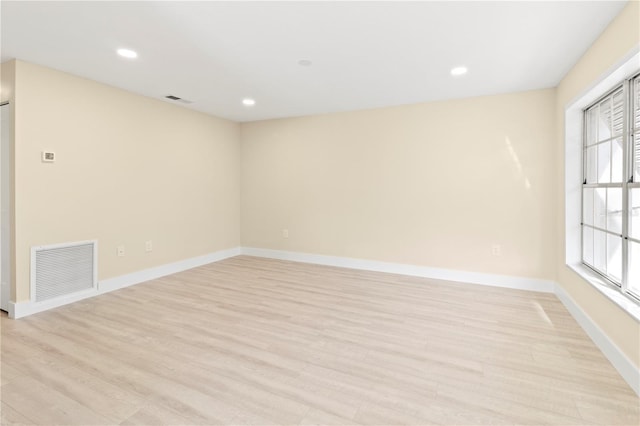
(127, 280)
(519, 283)
(23, 309)
(629, 372)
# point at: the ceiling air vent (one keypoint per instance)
(175, 98)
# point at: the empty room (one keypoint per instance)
(320, 213)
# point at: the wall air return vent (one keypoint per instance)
(63, 269)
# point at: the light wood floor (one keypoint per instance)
(257, 341)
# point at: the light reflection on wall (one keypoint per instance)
(516, 161)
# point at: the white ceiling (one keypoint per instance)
(364, 54)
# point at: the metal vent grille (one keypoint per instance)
(62, 270)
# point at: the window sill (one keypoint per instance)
(627, 304)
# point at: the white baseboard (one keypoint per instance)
(23, 309)
(629, 372)
(519, 283)
(127, 280)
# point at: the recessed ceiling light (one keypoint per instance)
(304, 63)
(127, 53)
(248, 102)
(459, 71)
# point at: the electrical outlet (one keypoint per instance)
(496, 250)
(48, 157)
(285, 233)
(120, 251)
(148, 246)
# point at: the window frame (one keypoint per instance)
(627, 86)
(633, 140)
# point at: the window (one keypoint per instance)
(611, 187)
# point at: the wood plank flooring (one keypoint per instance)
(258, 341)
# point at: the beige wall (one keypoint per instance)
(614, 44)
(433, 184)
(129, 169)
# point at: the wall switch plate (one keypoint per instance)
(496, 250)
(285, 233)
(48, 157)
(120, 251)
(148, 246)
